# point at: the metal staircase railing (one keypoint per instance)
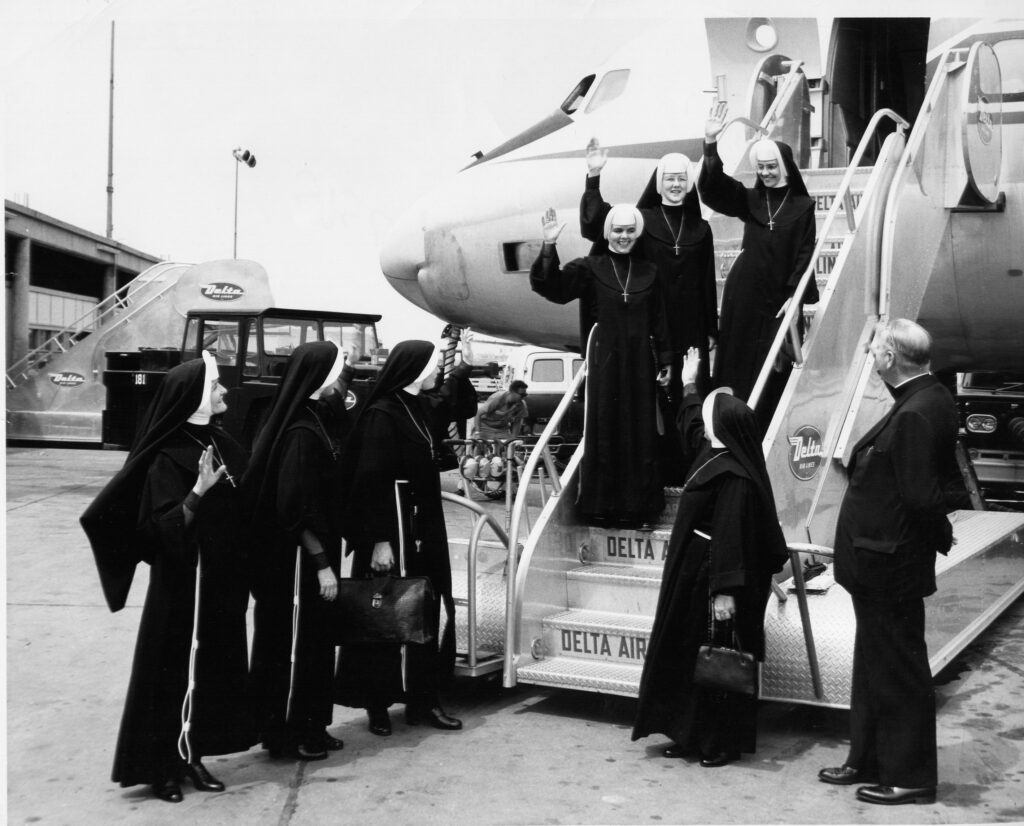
(114, 304)
(788, 326)
(540, 452)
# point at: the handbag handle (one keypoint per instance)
(711, 624)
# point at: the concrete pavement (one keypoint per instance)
(526, 756)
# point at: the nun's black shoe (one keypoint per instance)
(435, 717)
(201, 777)
(380, 721)
(333, 743)
(723, 758)
(675, 750)
(168, 790)
(310, 751)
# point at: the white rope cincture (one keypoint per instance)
(401, 566)
(295, 630)
(184, 740)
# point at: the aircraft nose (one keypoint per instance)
(402, 256)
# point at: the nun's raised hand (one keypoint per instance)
(716, 121)
(691, 366)
(596, 158)
(552, 229)
(208, 477)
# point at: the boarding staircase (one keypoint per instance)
(581, 599)
(56, 392)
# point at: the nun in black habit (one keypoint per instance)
(778, 242)
(174, 505)
(620, 481)
(725, 545)
(293, 485)
(395, 438)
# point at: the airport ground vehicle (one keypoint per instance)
(58, 392)
(251, 348)
(992, 420)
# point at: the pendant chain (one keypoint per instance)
(323, 430)
(425, 433)
(773, 215)
(629, 274)
(675, 241)
(216, 455)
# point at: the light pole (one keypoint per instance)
(241, 156)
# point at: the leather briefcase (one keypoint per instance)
(384, 609)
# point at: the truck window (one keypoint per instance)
(191, 349)
(221, 339)
(548, 371)
(576, 365)
(281, 335)
(251, 367)
(359, 339)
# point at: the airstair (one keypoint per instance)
(56, 392)
(581, 600)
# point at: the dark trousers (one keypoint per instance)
(892, 708)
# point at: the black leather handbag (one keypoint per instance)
(725, 668)
(384, 609)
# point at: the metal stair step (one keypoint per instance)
(605, 622)
(613, 574)
(586, 675)
(603, 636)
(630, 547)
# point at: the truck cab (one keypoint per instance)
(252, 350)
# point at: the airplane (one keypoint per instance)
(910, 135)
(463, 251)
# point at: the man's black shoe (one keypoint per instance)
(895, 795)
(845, 776)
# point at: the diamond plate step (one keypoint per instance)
(617, 589)
(598, 635)
(585, 675)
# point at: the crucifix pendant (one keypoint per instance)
(771, 225)
(676, 248)
(625, 297)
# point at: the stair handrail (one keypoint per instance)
(539, 449)
(948, 62)
(788, 326)
(96, 317)
(795, 549)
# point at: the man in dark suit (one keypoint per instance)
(891, 524)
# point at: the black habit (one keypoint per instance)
(394, 439)
(295, 473)
(727, 497)
(158, 475)
(778, 241)
(620, 477)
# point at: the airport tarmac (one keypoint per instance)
(526, 756)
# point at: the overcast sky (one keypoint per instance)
(354, 110)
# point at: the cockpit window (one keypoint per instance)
(572, 103)
(1011, 67)
(611, 86)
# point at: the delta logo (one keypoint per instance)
(807, 453)
(221, 291)
(67, 379)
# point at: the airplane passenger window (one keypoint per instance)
(612, 86)
(572, 103)
(1011, 66)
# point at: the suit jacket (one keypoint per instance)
(892, 520)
